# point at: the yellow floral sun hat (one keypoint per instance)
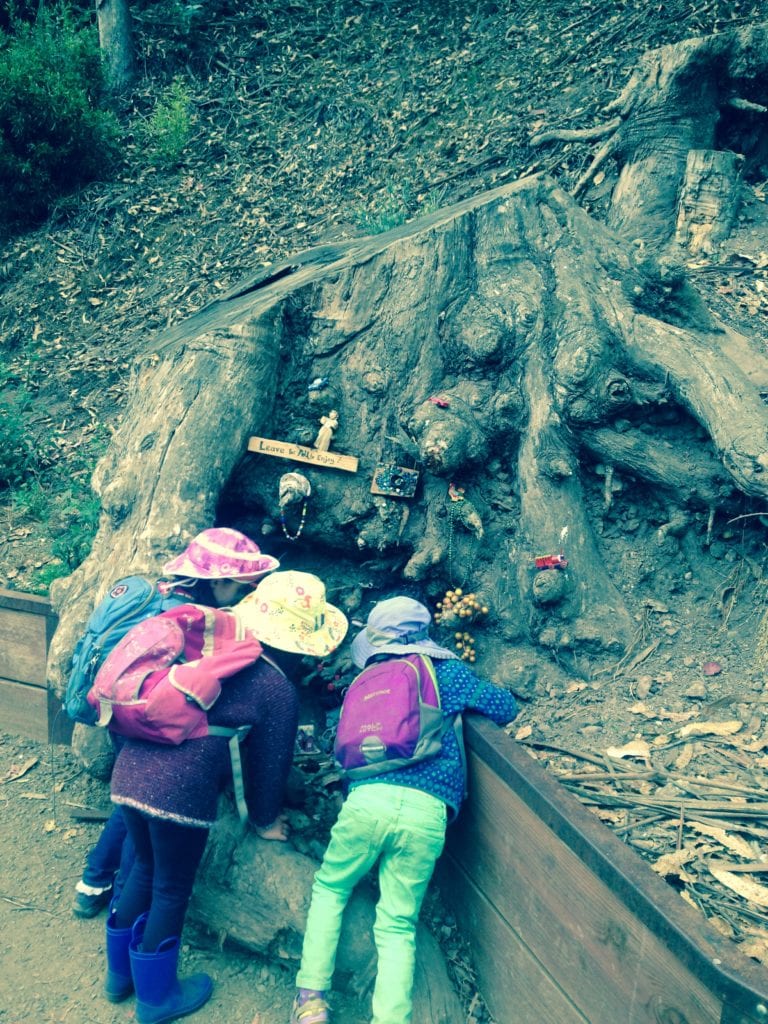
(288, 610)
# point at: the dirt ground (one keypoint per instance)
(52, 963)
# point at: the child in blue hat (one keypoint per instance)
(397, 819)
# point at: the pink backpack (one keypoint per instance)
(390, 718)
(165, 674)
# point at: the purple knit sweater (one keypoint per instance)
(183, 783)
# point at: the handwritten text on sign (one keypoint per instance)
(300, 453)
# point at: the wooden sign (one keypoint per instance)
(300, 453)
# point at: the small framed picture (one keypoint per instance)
(395, 481)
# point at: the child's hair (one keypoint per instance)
(200, 590)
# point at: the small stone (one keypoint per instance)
(696, 691)
(643, 688)
(590, 730)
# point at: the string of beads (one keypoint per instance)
(286, 532)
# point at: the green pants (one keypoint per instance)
(404, 829)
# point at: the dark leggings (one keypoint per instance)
(161, 878)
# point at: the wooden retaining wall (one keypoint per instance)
(27, 705)
(568, 924)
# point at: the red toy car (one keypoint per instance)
(550, 562)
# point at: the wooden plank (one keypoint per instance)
(581, 936)
(23, 710)
(300, 453)
(24, 638)
(27, 623)
(21, 602)
(509, 974)
(576, 896)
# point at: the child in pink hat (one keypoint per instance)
(231, 563)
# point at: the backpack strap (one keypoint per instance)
(236, 737)
(457, 721)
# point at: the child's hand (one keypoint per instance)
(276, 832)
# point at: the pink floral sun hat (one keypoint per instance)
(221, 554)
(288, 610)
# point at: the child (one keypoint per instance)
(398, 819)
(169, 794)
(218, 568)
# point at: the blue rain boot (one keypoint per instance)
(160, 996)
(118, 984)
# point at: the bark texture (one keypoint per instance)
(510, 349)
(117, 44)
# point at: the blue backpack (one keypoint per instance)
(129, 601)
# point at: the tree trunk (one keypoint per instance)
(117, 45)
(700, 94)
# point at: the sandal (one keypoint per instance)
(313, 1011)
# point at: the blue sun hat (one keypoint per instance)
(398, 625)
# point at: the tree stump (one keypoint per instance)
(508, 346)
(709, 199)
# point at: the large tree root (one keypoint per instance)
(700, 94)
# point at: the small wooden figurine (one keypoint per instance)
(329, 424)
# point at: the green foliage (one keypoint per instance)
(31, 501)
(167, 131)
(394, 205)
(53, 136)
(59, 498)
(18, 456)
(14, 11)
(45, 577)
(389, 209)
(81, 510)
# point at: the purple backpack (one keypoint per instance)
(391, 718)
